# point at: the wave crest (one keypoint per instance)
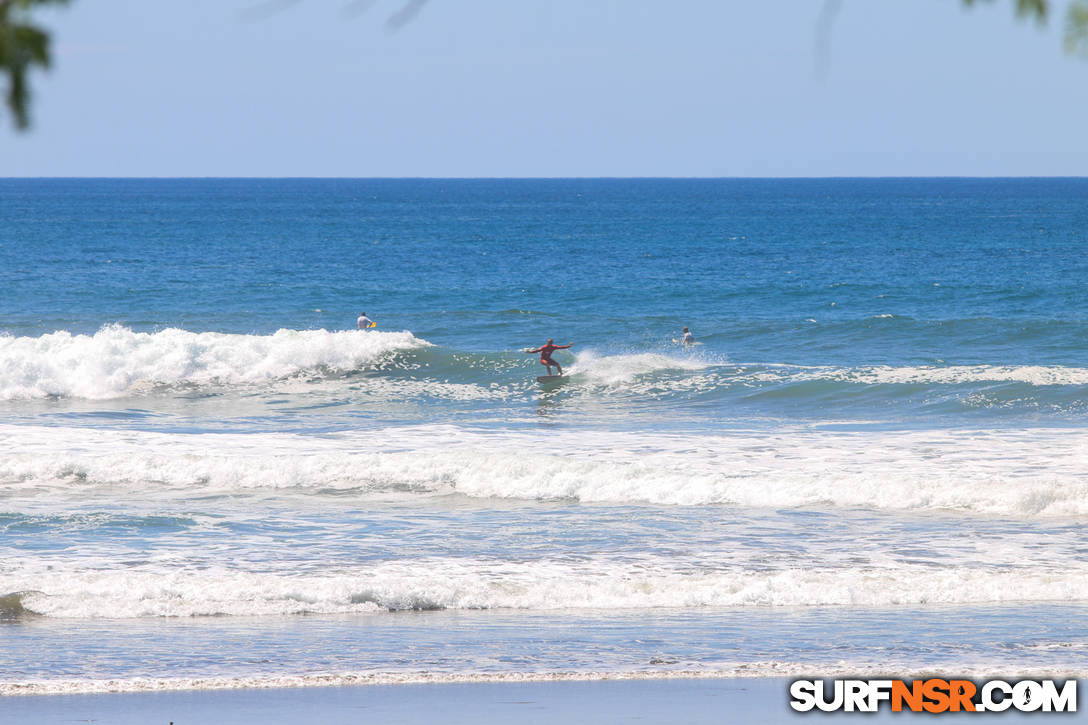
(116, 361)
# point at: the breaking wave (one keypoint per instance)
(116, 362)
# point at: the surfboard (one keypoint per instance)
(548, 378)
(372, 324)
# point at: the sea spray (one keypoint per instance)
(117, 361)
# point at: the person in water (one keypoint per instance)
(688, 338)
(364, 322)
(546, 351)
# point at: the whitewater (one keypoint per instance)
(965, 471)
(876, 461)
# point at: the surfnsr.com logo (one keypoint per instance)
(933, 695)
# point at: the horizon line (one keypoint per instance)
(529, 178)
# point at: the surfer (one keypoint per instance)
(364, 322)
(688, 338)
(546, 351)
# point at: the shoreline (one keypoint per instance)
(35, 689)
(690, 701)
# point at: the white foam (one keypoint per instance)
(116, 361)
(654, 375)
(1019, 473)
(919, 374)
(763, 669)
(957, 374)
(621, 370)
(644, 582)
(380, 390)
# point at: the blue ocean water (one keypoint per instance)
(876, 457)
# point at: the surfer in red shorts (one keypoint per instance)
(546, 351)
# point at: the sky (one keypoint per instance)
(551, 88)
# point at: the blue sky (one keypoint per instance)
(552, 88)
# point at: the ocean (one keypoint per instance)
(874, 461)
